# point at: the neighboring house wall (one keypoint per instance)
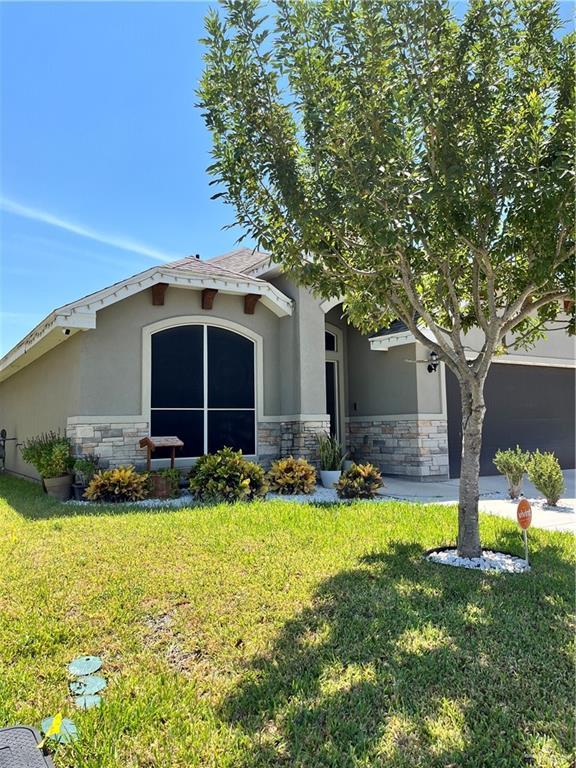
(556, 347)
(39, 398)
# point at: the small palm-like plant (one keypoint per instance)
(331, 453)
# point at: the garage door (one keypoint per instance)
(528, 405)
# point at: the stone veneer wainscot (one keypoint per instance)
(116, 439)
(404, 446)
(293, 437)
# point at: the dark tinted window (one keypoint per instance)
(234, 429)
(230, 370)
(329, 341)
(177, 377)
(187, 425)
(331, 395)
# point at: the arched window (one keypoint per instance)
(203, 388)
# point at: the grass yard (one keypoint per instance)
(284, 635)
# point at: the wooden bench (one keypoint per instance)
(151, 443)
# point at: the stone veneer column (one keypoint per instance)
(408, 447)
(114, 439)
(293, 437)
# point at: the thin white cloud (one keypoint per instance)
(125, 244)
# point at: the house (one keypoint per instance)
(231, 351)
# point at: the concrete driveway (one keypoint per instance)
(493, 498)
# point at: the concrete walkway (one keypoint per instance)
(493, 498)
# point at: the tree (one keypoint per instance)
(418, 164)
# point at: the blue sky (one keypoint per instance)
(102, 151)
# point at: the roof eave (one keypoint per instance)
(388, 341)
(52, 331)
(81, 315)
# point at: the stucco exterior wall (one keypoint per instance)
(430, 387)
(39, 398)
(111, 357)
(112, 416)
(380, 383)
(301, 354)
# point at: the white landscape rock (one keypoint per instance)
(184, 500)
(489, 561)
(321, 494)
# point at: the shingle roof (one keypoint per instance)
(243, 260)
(218, 267)
(396, 326)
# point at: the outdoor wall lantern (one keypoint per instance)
(433, 364)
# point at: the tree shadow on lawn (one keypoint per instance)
(27, 498)
(402, 662)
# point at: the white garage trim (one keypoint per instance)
(548, 362)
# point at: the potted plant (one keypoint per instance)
(331, 458)
(85, 468)
(164, 483)
(50, 454)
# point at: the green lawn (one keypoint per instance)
(284, 635)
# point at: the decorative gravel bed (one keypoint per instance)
(321, 494)
(184, 500)
(489, 561)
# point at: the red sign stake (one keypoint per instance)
(524, 517)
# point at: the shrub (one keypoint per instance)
(85, 468)
(227, 476)
(512, 463)
(545, 473)
(361, 481)
(50, 453)
(292, 475)
(331, 453)
(118, 484)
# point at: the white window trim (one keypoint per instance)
(338, 358)
(174, 322)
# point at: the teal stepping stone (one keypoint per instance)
(68, 731)
(84, 665)
(87, 702)
(87, 685)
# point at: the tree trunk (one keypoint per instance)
(473, 409)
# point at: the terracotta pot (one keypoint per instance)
(58, 487)
(330, 477)
(161, 486)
